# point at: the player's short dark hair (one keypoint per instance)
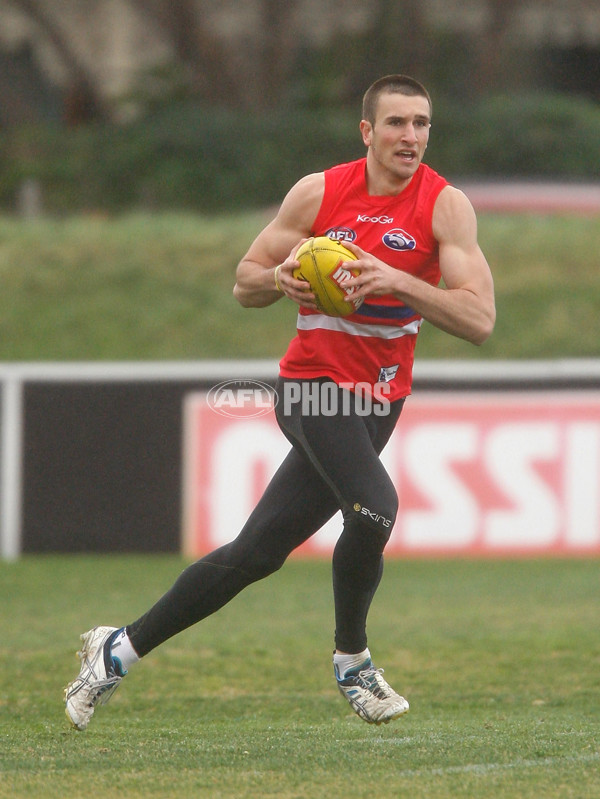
(391, 84)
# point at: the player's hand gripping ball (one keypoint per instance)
(321, 262)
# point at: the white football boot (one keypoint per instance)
(98, 678)
(369, 694)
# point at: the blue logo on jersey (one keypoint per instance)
(341, 234)
(387, 373)
(398, 239)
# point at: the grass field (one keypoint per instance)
(500, 661)
(159, 286)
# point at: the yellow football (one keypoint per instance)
(321, 260)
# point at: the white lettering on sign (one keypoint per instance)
(545, 478)
(452, 517)
(505, 475)
(244, 458)
(510, 457)
(582, 485)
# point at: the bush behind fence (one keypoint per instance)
(195, 157)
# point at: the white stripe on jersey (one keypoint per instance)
(343, 325)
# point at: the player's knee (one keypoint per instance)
(256, 562)
(378, 513)
(262, 564)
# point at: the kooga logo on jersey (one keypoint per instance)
(383, 220)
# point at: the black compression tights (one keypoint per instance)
(334, 463)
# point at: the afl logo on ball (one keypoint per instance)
(398, 239)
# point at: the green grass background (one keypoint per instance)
(159, 286)
(500, 661)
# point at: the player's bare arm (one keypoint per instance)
(464, 306)
(264, 274)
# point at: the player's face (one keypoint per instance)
(398, 139)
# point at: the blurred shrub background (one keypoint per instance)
(191, 156)
(120, 104)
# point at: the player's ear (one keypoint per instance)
(366, 131)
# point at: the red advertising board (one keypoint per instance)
(498, 474)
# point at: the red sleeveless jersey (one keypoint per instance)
(375, 344)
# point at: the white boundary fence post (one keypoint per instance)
(11, 442)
